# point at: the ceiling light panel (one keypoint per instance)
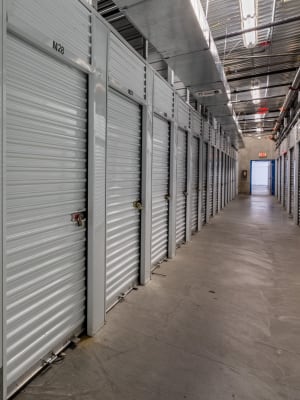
(248, 9)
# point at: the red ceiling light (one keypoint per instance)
(262, 110)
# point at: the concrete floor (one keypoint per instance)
(223, 324)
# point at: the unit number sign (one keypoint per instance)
(58, 47)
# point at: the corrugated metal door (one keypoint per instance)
(211, 182)
(204, 183)
(195, 183)
(59, 26)
(46, 200)
(285, 188)
(216, 181)
(123, 195)
(160, 189)
(292, 181)
(181, 186)
(125, 69)
(163, 97)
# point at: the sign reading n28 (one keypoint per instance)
(58, 47)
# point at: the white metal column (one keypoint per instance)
(195, 184)
(211, 180)
(291, 182)
(204, 182)
(2, 173)
(298, 183)
(285, 182)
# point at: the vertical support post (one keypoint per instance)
(187, 96)
(188, 237)
(231, 177)
(276, 178)
(96, 180)
(200, 185)
(145, 48)
(236, 175)
(172, 209)
(170, 76)
(297, 191)
(288, 208)
(282, 179)
(224, 180)
(146, 223)
(215, 186)
(2, 130)
(227, 178)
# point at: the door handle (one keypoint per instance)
(167, 197)
(185, 193)
(138, 205)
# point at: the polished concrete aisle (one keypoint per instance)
(220, 322)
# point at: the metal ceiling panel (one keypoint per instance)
(179, 31)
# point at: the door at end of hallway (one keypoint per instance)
(262, 177)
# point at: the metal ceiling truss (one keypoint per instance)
(273, 62)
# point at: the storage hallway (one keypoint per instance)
(150, 199)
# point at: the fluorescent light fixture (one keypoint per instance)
(255, 93)
(249, 21)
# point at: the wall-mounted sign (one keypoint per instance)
(262, 154)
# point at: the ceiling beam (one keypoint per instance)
(259, 27)
(262, 88)
(257, 98)
(256, 68)
(280, 71)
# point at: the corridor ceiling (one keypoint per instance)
(174, 40)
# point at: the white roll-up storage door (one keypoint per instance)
(123, 195)
(160, 189)
(292, 181)
(216, 181)
(195, 183)
(204, 183)
(181, 186)
(46, 179)
(285, 178)
(211, 181)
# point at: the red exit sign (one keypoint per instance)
(262, 154)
